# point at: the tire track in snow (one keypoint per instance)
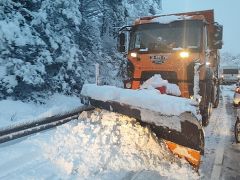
(231, 167)
(217, 167)
(216, 135)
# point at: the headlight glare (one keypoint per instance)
(133, 54)
(184, 54)
(208, 63)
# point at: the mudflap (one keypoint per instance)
(183, 134)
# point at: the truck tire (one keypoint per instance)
(208, 96)
(237, 131)
(215, 101)
(206, 113)
(206, 109)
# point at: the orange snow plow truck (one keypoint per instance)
(173, 46)
(170, 45)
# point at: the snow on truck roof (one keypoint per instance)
(163, 19)
(207, 16)
(171, 18)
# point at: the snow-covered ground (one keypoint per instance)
(104, 145)
(101, 145)
(24, 159)
(15, 112)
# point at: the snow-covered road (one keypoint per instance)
(74, 150)
(22, 159)
(219, 136)
(230, 168)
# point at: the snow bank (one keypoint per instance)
(145, 98)
(157, 81)
(106, 145)
(12, 112)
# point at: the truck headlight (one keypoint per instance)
(184, 54)
(128, 85)
(133, 54)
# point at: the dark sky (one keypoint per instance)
(227, 13)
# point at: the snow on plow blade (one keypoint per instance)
(180, 129)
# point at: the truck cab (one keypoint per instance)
(170, 45)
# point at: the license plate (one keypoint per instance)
(158, 59)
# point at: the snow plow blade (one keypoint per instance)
(183, 134)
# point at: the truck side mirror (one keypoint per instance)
(217, 36)
(121, 42)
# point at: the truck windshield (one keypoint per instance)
(157, 37)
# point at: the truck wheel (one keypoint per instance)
(237, 131)
(207, 111)
(207, 105)
(216, 101)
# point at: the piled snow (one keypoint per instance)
(145, 98)
(12, 112)
(157, 81)
(106, 145)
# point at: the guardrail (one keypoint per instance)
(31, 127)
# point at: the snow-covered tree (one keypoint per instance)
(52, 45)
